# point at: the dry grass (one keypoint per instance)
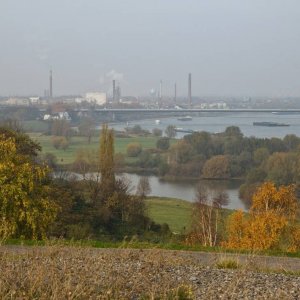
(227, 264)
(80, 273)
(59, 272)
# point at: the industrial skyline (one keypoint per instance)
(116, 90)
(232, 48)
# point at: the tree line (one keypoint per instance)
(225, 155)
(34, 204)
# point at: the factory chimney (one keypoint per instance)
(160, 94)
(190, 90)
(114, 90)
(50, 85)
(175, 93)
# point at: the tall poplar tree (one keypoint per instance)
(107, 166)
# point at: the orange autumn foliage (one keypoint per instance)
(294, 238)
(236, 228)
(281, 201)
(272, 212)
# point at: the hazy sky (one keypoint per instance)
(231, 47)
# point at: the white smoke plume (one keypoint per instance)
(110, 76)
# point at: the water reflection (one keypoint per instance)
(185, 189)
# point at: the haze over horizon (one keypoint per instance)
(232, 48)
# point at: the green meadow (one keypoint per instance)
(175, 212)
(80, 143)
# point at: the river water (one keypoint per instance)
(219, 122)
(185, 189)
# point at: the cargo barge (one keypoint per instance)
(270, 124)
(185, 118)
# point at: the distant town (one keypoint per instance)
(54, 107)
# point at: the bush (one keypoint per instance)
(170, 131)
(136, 129)
(147, 160)
(163, 168)
(192, 168)
(50, 160)
(246, 192)
(227, 264)
(60, 142)
(56, 140)
(81, 166)
(134, 149)
(157, 132)
(217, 167)
(64, 144)
(78, 231)
(163, 143)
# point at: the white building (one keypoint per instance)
(96, 98)
(34, 100)
(79, 100)
(47, 117)
(64, 116)
(57, 116)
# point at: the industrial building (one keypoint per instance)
(98, 98)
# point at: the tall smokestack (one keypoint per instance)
(50, 85)
(190, 90)
(160, 94)
(114, 90)
(175, 93)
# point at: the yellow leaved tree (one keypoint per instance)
(271, 217)
(282, 201)
(25, 209)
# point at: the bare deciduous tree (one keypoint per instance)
(206, 216)
(143, 188)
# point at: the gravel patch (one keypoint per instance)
(85, 273)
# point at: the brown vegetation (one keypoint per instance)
(56, 272)
(76, 273)
(270, 223)
(133, 149)
(217, 167)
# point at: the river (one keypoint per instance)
(185, 189)
(219, 122)
(182, 189)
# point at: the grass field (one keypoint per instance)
(176, 213)
(77, 143)
(35, 126)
